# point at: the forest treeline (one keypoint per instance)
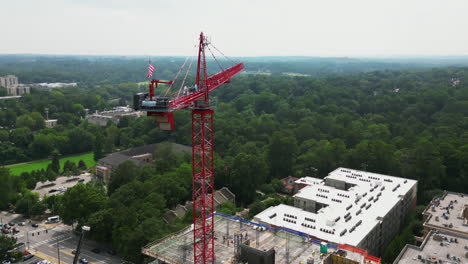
(411, 123)
(92, 70)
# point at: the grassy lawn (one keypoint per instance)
(17, 169)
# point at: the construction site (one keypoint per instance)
(241, 241)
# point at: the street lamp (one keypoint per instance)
(84, 229)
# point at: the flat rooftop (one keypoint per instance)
(437, 248)
(448, 213)
(350, 214)
(178, 248)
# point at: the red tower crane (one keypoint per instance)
(196, 97)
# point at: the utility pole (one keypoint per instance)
(287, 247)
(78, 248)
(27, 238)
(58, 249)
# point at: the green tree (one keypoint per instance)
(25, 121)
(21, 137)
(82, 165)
(282, 152)
(42, 145)
(98, 147)
(227, 208)
(39, 122)
(248, 172)
(80, 202)
(7, 191)
(4, 135)
(6, 243)
(126, 172)
(55, 165)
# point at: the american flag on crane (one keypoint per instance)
(150, 70)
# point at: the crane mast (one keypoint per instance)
(202, 167)
(162, 108)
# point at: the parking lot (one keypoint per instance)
(42, 241)
(61, 184)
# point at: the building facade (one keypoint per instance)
(361, 209)
(10, 82)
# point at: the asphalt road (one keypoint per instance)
(42, 242)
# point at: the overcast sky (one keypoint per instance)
(236, 27)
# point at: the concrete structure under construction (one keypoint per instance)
(357, 208)
(437, 247)
(448, 213)
(241, 241)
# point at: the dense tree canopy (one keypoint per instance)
(409, 123)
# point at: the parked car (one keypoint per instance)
(35, 225)
(111, 252)
(22, 224)
(52, 190)
(20, 244)
(6, 226)
(15, 230)
(11, 224)
(5, 230)
(81, 180)
(84, 261)
(6, 262)
(28, 256)
(96, 250)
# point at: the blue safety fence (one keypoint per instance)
(272, 229)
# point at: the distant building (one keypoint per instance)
(356, 208)
(222, 195)
(14, 88)
(114, 115)
(437, 247)
(448, 213)
(9, 81)
(50, 86)
(139, 155)
(50, 123)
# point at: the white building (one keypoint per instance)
(357, 208)
(9, 81)
(14, 88)
(114, 115)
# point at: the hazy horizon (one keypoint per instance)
(244, 28)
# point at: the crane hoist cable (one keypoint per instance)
(177, 76)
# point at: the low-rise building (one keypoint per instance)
(222, 195)
(50, 86)
(289, 185)
(357, 208)
(139, 155)
(437, 247)
(50, 123)
(114, 115)
(448, 213)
